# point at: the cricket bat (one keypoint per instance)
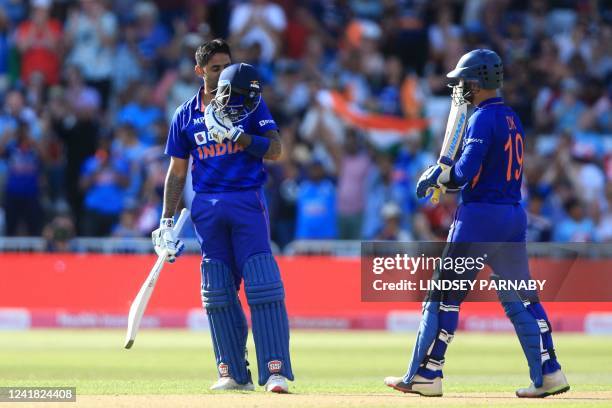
(142, 298)
(455, 127)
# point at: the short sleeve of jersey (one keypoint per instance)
(176, 146)
(261, 120)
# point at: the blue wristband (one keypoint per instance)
(259, 146)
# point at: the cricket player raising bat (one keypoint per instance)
(489, 172)
(227, 130)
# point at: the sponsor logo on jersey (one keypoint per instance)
(266, 122)
(473, 140)
(198, 121)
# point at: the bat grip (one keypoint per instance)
(435, 196)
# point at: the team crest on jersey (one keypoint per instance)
(223, 370)
(275, 366)
(201, 138)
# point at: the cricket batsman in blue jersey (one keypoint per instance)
(489, 174)
(227, 129)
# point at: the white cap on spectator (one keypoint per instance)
(41, 3)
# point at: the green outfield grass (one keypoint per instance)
(181, 362)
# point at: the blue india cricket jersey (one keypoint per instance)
(491, 162)
(217, 167)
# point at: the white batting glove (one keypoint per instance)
(165, 240)
(217, 125)
(220, 126)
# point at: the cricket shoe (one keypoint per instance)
(419, 385)
(278, 384)
(229, 384)
(552, 384)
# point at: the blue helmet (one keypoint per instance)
(478, 69)
(238, 92)
(481, 65)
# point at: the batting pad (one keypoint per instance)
(266, 297)
(528, 332)
(549, 357)
(228, 325)
(428, 329)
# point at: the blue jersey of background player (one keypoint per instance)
(489, 173)
(227, 130)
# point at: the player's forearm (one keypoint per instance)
(173, 187)
(173, 190)
(273, 149)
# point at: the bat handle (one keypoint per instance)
(435, 196)
(181, 221)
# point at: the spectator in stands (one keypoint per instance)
(285, 215)
(128, 148)
(39, 42)
(84, 99)
(127, 227)
(316, 205)
(576, 227)
(180, 86)
(141, 113)
(23, 210)
(381, 188)
(568, 109)
(127, 58)
(5, 50)
(17, 112)
(392, 224)
(539, 227)
(104, 179)
(58, 233)
(77, 128)
(261, 22)
(152, 34)
(352, 164)
(91, 32)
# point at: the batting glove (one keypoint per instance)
(165, 240)
(435, 177)
(219, 126)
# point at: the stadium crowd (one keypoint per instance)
(87, 89)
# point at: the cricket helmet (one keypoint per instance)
(238, 92)
(481, 65)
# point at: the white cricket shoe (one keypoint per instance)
(278, 384)
(229, 384)
(419, 385)
(552, 384)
